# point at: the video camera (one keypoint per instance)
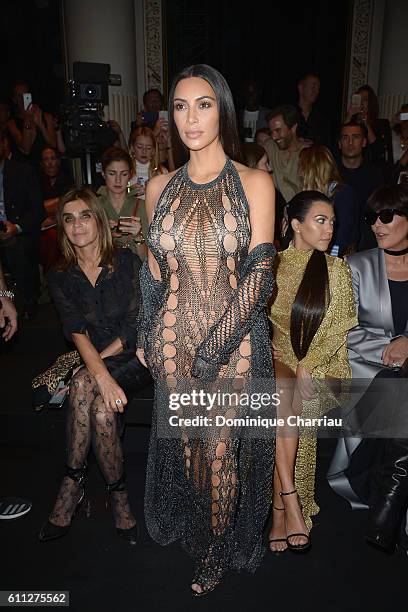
(83, 127)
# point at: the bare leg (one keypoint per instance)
(278, 528)
(286, 449)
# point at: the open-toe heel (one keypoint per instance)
(300, 548)
(273, 540)
(209, 572)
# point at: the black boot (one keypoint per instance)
(388, 511)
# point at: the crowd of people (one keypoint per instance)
(173, 273)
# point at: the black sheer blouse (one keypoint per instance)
(105, 312)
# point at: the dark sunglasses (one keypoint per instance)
(385, 216)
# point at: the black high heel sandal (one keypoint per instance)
(50, 531)
(131, 534)
(297, 547)
(272, 540)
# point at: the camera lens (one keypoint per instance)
(91, 91)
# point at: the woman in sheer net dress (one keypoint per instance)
(205, 285)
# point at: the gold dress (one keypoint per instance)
(327, 354)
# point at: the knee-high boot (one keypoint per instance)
(392, 501)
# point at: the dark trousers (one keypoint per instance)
(19, 256)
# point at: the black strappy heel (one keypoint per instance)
(297, 547)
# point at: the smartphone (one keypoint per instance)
(356, 100)
(163, 114)
(404, 117)
(149, 118)
(120, 221)
(403, 177)
(27, 100)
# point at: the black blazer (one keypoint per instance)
(22, 197)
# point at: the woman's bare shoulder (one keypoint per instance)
(254, 181)
(156, 185)
(252, 175)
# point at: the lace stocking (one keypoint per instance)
(81, 397)
(88, 418)
(108, 451)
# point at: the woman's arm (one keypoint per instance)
(24, 138)
(45, 123)
(367, 344)
(150, 276)
(112, 394)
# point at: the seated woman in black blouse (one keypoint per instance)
(96, 292)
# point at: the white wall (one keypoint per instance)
(394, 60)
(103, 31)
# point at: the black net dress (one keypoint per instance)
(206, 318)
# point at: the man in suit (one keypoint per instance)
(21, 214)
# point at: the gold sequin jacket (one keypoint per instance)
(327, 354)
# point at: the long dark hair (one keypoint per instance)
(372, 106)
(228, 123)
(312, 297)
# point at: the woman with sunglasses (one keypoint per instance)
(373, 472)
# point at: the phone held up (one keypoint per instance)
(149, 118)
(27, 100)
(356, 100)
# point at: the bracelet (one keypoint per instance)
(7, 294)
(140, 241)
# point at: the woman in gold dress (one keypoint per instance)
(311, 313)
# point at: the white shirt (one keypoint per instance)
(250, 121)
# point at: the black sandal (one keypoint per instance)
(297, 547)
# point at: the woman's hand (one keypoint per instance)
(352, 110)
(276, 354)
(141, 357)
(161, 125)
(396, 352)
(130, 225)
(114, 228)
(112, 395)
(36, 114)
(304, 383)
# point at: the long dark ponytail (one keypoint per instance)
(312, 298)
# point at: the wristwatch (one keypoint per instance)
(7, 294)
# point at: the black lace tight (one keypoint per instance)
(90, 421)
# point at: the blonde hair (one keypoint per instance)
(106, 249)
(154, 165)
(318, 169)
